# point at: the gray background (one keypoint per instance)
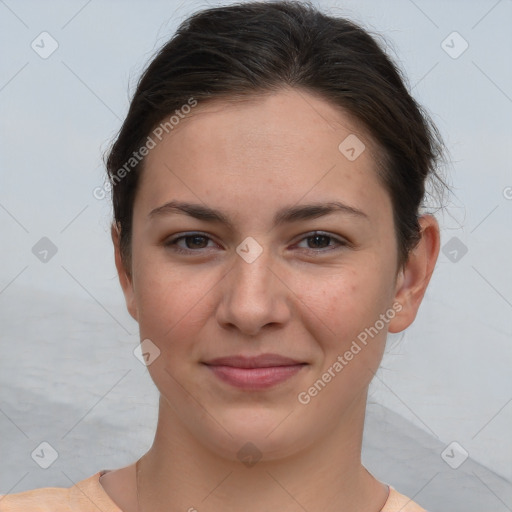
(68, 374)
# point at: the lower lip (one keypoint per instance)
(255, 378)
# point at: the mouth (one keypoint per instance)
(254, 373)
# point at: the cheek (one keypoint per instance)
(165, 301)
(348, 330)
(172, 302)
(345, 301)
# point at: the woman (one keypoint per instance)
(267, 185)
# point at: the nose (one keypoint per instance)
(254, 297)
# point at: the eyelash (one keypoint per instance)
(172, 244)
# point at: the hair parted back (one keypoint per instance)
(246, 49)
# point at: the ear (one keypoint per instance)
(125, 278)
(413, 278)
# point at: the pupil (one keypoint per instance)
(316, 239)
(196, 240)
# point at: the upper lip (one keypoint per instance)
(260, 361)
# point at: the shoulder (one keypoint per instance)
(85, 496)
(46, 499)
(397, 502)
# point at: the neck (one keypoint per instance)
(179, 473)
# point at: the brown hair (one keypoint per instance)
(250, 48)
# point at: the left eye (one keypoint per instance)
(319, 241)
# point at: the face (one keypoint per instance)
(248, 268)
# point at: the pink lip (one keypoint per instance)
(257, 372)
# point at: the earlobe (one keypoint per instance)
(125, 279)
(413, 279)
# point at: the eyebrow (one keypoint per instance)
(284, 215)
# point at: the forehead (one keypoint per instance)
(274, 147)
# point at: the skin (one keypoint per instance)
(298, 299)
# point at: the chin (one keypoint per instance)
(254, 434)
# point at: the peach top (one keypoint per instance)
(88, 495)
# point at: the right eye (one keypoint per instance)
(192, 242)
